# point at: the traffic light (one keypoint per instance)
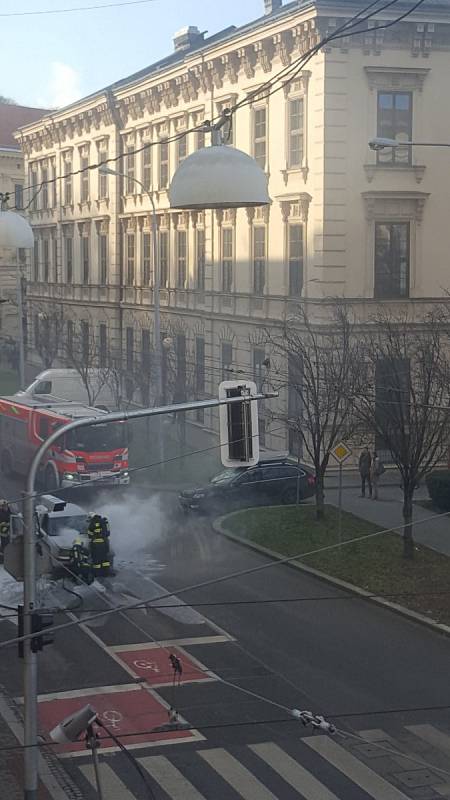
(239, 437)
(40, 621)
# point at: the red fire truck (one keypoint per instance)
(98, 453)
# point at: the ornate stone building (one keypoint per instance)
(344, 220)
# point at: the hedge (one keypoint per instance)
(438, 485)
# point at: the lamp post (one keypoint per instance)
(105, 170)
(382, 143)
(16, 232)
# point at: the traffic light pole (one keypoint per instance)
(31, 757)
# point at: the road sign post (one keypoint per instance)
(341, 452)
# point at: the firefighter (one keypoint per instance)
(5, 522)
(80, 562)
(106, 530)
(99, 547)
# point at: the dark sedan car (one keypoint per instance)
(268, 483)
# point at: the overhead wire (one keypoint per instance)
(42, 12)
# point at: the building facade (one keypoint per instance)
(344, 221)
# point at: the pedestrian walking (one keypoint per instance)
(365, 464)
(376, 471)
(177, 668)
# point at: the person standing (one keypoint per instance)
(376, 470)
(99, 547)
(365, 464)
(5, 526)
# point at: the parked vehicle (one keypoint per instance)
(271, 482)
(68, 385)
(97, 453)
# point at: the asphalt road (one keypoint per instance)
(311, 647)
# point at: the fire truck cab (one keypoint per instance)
(98, 453)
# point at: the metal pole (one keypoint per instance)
(340, 504)
(29, 544)
(94, 744)
(31, 753)
(19, 288)
(157, 344)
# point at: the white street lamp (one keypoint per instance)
(381, 143)
(219, 176)
(17, 233)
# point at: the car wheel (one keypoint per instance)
(289, 497)
(51, 479)
(6, 463)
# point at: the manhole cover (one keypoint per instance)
(418, 777)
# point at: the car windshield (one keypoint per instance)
(99, 438)
(58, 524)
(227, 475)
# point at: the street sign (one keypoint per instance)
(341, 452)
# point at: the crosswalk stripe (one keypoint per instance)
(431, 735)
(354, 769)
(170, 778)
(112, 786)
(292, 772)
(238, 776)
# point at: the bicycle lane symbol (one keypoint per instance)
(142, 663)
(112, 718)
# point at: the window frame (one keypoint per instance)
(182, 257)
(389, 157)
(387, 293)
(259, 262)
(295, 287)
(85, 246)
(103, 258)
(200, 259)
(227, 261)
(163, 164)
(146, 257)
(130, 250)
(84, 178)
(258, 140)
(293, 132)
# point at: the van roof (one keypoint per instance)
(54, 405)
(62, 373)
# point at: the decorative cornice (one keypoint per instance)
(395, 205)
(404, 78)
(373, 170)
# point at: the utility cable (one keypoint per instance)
(78, 8)
(223, 579)
(130, 757)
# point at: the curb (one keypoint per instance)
(413, 616)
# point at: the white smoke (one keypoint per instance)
(136, 523)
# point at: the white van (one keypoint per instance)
(67, 385)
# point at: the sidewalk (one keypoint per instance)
(387, 511)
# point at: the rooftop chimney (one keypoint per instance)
(272, 5)
(187, 37)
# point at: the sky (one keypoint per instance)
(52, 60)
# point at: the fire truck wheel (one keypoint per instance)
(51, 479)
(6, 463)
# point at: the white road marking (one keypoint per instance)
(170, 778)
(238, 776)
(122, 687)
(431, 735)
(354, 769)
(292, 772)
(113, 787)
(124, 648)
(109, 650)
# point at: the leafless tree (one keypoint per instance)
(48, 332)
(83, 353)
(319, 366)
(406, 402)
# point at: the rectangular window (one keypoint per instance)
(130, 349)
(18, 195)
(394, 121)
(181, 148)
(34, 189)
(85, 258)
(392, 403)
(295, 132)
(199, 140)
(68, 258)
(69, 336)
(295, 259)
(146, 258)
(103, 258)
(84, 178)
(259, 260)
(36, 260)
(102, 179)
(260, 136)
(392, 259)
(85, 342)
(227, 360)
(199, 365)
(44, 181)
(37, 332)
(164, 257)
(53, 185)
(181, 259)
(163, 164)
(102, 346)
(55, 258)
(200, 250)
(46, 259)
(130, 243)
(146, 352)
(67, 182)
(259, 375)
(180, 348)
(130, 185)
(227, 259)
(147, 167)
